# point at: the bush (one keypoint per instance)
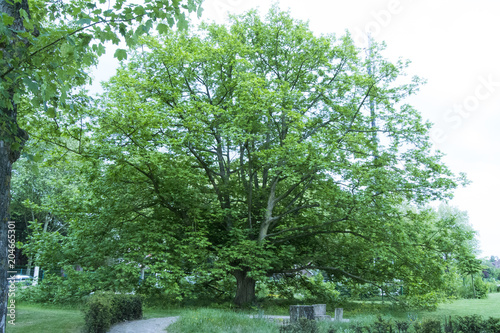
(402, 326)
(492, 325)
(105, 309)
(465, 324)
(98, 314)
(382, 325)
(469, 324)
(429, 326)
(480, 287)
(126, 307)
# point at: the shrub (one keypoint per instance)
(105, 309)
(98, 314)
(469, 324)
(492, 325)
(429, 326)
(126, 307)
(402, 326)
(480, 288)
(382, 325)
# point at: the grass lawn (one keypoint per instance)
(54, 319)
(220, 321)
(39, 318)
(489, 307)
(57, 319)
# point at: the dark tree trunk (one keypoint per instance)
(10, 134)
(5, 173)
(245, 288)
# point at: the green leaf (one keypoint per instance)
(17, 98)
(51, 112)
(15, 146)
(67, 50)
(23, 14)
(99, 49)
(85, 39)
(32, 86)
(139, 11)
(163, 28)
(83, 22)
(182, 23)
(120, 54)
(7, 20)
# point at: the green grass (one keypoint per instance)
(155, 312)
(367, 313)
(220, 321)
(32, 318)
(489, 307)
(37, 318)
(65, 319)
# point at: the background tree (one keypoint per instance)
(470, 265)
(44, 48)
(256, 143)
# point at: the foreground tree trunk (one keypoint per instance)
(245, 288)
(7, 157)
(9, 133)
(12, 139)
(5, 173)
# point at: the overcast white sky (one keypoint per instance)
(455, 45)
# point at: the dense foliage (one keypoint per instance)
(238, 153)
(45, 47)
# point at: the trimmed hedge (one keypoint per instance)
(105, 309)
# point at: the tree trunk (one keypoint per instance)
(10, 134)
(36, 273)
(5, 172)
(6, 161)
(245, 288)
(473, 286)
(28, 268)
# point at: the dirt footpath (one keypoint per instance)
(154, 325)
(158, 325)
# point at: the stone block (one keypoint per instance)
(319, 309)
(339, 313)
(301, 311)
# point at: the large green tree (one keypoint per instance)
(259, 148)
(44, 47)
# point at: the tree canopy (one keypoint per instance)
(256, 149)
(44, 48)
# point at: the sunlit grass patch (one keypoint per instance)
(220, 321)
(53, 319)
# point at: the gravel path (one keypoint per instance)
(154, 325)
(158, 325)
